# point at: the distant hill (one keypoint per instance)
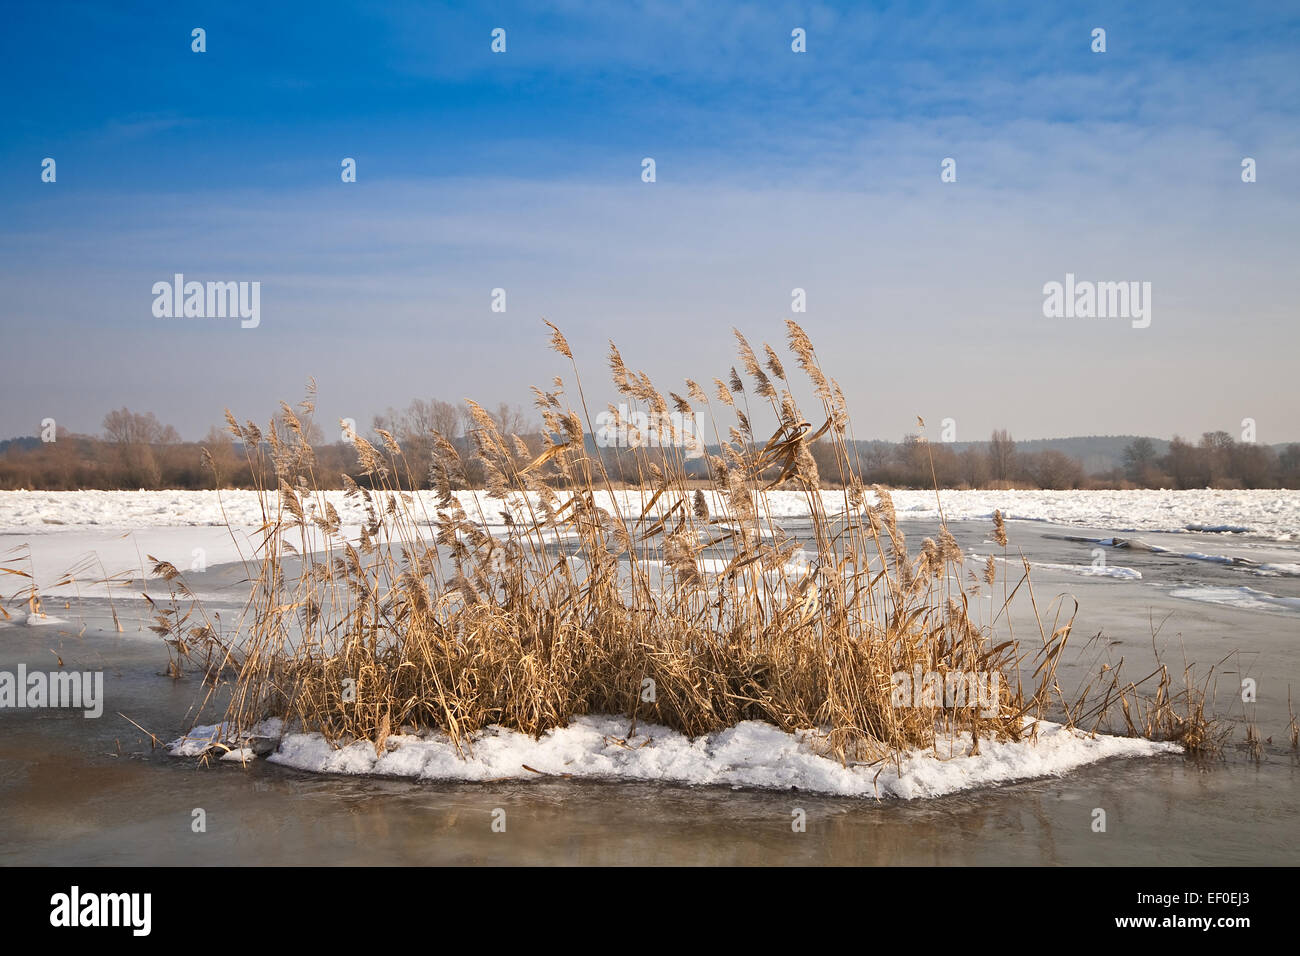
(25, 444)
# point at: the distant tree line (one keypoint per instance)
(1216, 461)
(136, 450)
(917, 463)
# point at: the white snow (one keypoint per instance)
(1251, 599)
(751, 754)
(109, 533)
(1092, 570)
(99, 554)
(1264, 513)
(1240, 561)
(37, 618)
(1086, 570)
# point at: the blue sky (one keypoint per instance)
(775, 170)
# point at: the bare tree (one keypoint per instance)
(1186, 464)
(1056, 471)
(135, 436)
(125, 427)
(974, 467)
(509, 419)
(1139, 458)
(414, 428)
(1217, 449)
(1002, 455)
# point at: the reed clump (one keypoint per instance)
(552, 594)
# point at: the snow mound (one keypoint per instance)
(750, 754)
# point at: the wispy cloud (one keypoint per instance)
(775, 170)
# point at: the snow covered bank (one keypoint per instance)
(1267, 569)
(751, 754)
(1086, 570)
(1092, 570)
(1268, 514)
(1251, 599)
(77, 561)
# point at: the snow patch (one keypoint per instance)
(750, 754)
(1251, 599)
(1267, 513)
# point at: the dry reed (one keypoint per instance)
(588, 601)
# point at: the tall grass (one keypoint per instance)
(672, 603)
